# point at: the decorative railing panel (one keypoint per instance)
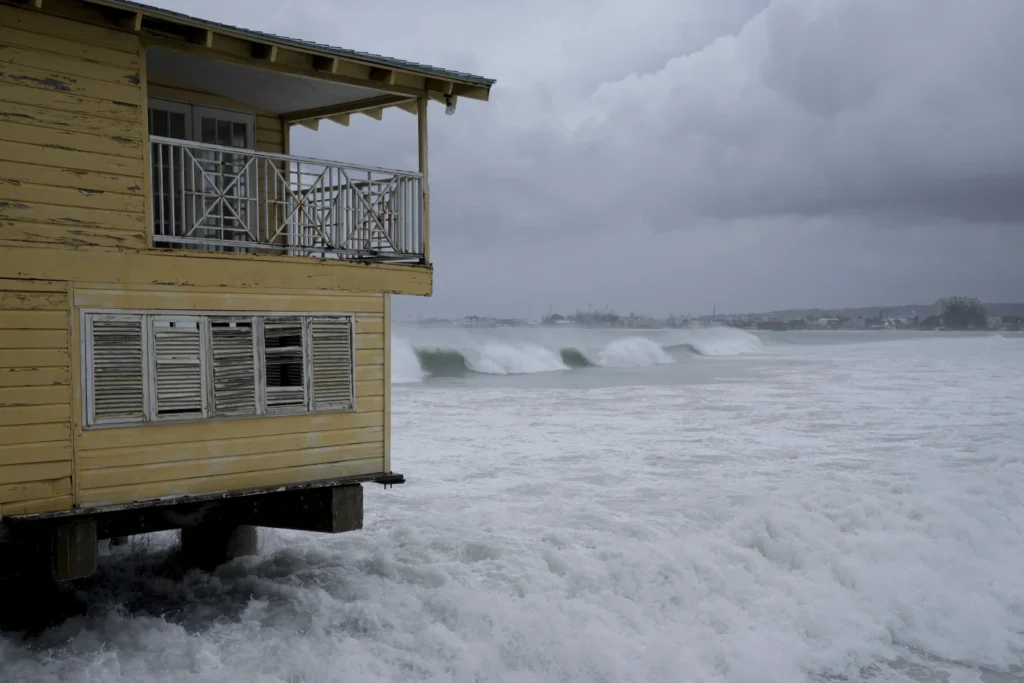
(216, 198)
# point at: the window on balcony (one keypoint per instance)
(203, 198)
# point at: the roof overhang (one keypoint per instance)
(320, 81)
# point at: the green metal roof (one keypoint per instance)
(366, 57)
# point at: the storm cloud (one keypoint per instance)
(670, 155)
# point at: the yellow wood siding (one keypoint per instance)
(71, 117)
(35, 397)
(125, 464)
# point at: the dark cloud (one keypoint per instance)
(667, 155)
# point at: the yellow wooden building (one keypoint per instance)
(194, 323)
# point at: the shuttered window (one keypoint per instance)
(155, 367)
(331, 362)
(117, 376)
(234, 366)
(177, 364)
(284, 362)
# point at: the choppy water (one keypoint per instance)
(669, 506)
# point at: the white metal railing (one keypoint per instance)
(216, 198)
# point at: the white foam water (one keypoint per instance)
(823, 512)
(632, 352)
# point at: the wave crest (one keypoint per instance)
(466, 355)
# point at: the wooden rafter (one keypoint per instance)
(373, 104)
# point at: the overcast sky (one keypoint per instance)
(665, 156)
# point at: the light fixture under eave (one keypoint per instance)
(449, 102)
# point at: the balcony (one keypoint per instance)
(228, 199)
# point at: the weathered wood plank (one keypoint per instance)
(269, 137)
(13, 285)
(33, 377)
(33, 320)
(72, 104)
(128, 145)
(192, 268)
(34, 339)
(34, 490)
(368, 325)
(370, 415)
(70, 235)
(31, 454)
(230, 482)
(52, 81)
(34, 396)
(88, 180)
(269, 123)
(43, 117)
(73, 159)
(70, 196)
(104, 219)
(12, 474)
(220, 467)
(34, 358)
(30, 415)
(225, 448)
(62, 177)
(18, 300)
(69, 48)
(57, 431)
(369, 389)
(33, 507)
(52, 27)
(51, 57)
(370, 357)
(369, 341)
(367, 373)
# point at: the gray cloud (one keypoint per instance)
(664, 155)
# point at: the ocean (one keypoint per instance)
(702, 505)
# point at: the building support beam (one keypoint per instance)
(74, 549)
(421, 116)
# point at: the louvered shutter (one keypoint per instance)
(284, 369)
(117, 369)
(178, 366)
(234, 371)
(331, 363)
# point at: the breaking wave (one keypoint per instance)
(469, 354)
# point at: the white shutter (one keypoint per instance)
(116, 367)
(234, 366)
(284, 373)
(332, 368)
(178, 367)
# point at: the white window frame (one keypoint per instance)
(204, 319)
(194, 114)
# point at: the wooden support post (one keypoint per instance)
(213, 543)
(74, 549)
(421, 115)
